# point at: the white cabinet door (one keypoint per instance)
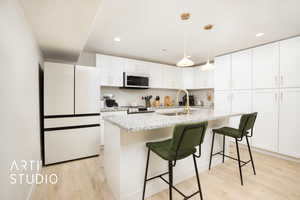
(265, 134)
(222, 102)
(156, 75)
(222, 80)
(141, 67)
(87, 90)
(188, 78)
(203, 79)
(58, 89)
(241, 103)
(170, 77)
(289, 123)
(111, 70)
(290, 62)
(177, 78)
(70, 144)
(241, 69)
(266, 66)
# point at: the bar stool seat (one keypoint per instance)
(162, 149)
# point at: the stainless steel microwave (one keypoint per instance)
(134, 80)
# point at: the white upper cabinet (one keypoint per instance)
(188, 78)
(223, 73)
(241, 69)
(290, 62)
(178, 78)
(171, 77)
(265, 134)
(266, 66)
(161, 76)
(135, 66)
(111, 70)
(289, 123)
(87, 90)
(203, 79)
(58, 89)
(156, 75)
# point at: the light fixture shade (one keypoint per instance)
(185, 62)
(208, 67)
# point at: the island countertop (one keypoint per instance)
(149, 121)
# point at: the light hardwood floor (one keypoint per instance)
(276, 179)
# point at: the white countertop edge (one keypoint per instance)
(144, 127)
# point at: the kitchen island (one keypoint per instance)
(125, 151)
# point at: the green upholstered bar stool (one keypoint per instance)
(183, 144)
(245, 130)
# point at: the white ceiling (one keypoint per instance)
(61, 27)
(147, 26)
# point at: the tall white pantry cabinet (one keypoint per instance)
(71, 112)
(264, 79)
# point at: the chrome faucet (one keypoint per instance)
(187, 106)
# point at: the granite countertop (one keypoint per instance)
(124, 108)
(140, 122)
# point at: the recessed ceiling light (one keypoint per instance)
(117, 39)
(259, 34)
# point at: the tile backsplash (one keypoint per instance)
(127, 97)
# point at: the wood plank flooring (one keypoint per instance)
(276, 179)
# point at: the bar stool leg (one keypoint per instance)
(146, 172)
(249, 149)
(239, 160)
(211, 151)
(170, 179)
(223, 148)
(197, 175)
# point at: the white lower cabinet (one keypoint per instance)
(64, 145)
(222, 102)
(265, 134)
(289, 122)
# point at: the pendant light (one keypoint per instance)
(185, 61)
(208, 66)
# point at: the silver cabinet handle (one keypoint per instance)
(281, 96)
(276, 96)
(281, 80)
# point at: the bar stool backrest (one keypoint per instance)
(186, 137)
(247, 123)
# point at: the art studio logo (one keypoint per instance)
(26, 172)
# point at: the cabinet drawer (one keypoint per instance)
(70, 144)
(71, 121)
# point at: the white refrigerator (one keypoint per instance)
(71, 112)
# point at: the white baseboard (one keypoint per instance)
(275, 154)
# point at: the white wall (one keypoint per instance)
(19, 119)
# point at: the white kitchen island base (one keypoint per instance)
(125, 156)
